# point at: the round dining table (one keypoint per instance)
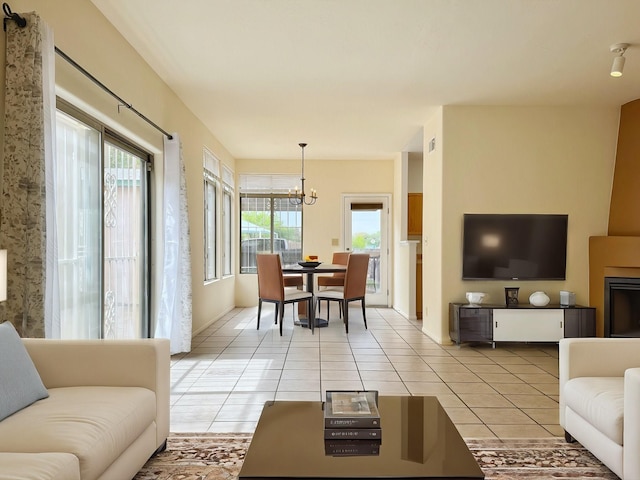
(310, 270)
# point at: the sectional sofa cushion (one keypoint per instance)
(20, 383)
(39, 466)
(95, 424)
(600, 401)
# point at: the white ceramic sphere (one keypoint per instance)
(539, 299)
(475, 298)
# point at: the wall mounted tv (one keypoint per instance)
(514, 247)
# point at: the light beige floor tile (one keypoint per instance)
(458, 377)
(532, 401)
(339, 375)
(249, 398)
(461, 415)
(338, 366)
(555, 430)
(379, 366)
(419, 376)
(486, 368)
(341, 385)
(502, 416)
(544, 416)
(484, 400)
(471, 387)
(300, 375)
(386, 388)
(475, 431)
(336, 357)
(300, 385)
(520, 431)
(376, 375)
(450, 400)
(537, 378)
(448, 367)
(500, 378)
(427, 388)
(299, 396)
(524, 368)
(518, 388)
(547, 388)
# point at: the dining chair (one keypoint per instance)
(335, 279)
(271, 289)
(355, 287)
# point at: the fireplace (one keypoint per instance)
(621, 307)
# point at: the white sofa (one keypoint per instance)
(600, 399)
(106, 414)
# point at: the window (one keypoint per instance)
(211, 185)
(227, 220)
(269, 222)
(102, 210)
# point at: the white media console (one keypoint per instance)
(522, 323)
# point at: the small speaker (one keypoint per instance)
(567, 299)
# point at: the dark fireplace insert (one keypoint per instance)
(621, 307)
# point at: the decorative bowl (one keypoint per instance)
(309, 264)
(539, 299)
(475, 298)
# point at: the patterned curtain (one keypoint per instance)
(175, 311)
(23, 215)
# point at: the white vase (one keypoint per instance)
(539, 299)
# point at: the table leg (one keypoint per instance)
(303, 317)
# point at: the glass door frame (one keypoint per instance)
(383, 297)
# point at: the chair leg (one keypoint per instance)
(259, 310)
(345, 307)
(364, 315)
(275, 316)
(280, 309)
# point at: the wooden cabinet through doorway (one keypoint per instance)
(414, 209)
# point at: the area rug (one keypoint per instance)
(210, 456)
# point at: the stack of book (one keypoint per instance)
(352, 423)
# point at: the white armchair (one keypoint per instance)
(600, 399)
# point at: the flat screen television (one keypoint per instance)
(514, 247)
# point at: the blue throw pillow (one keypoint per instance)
(20, 383)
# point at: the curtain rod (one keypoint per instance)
(21, 22)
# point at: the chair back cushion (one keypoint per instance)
(340, 258)
(355, 282)
(270, 279)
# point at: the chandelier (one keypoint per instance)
(298, 197)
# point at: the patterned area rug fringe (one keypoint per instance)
(211, 456)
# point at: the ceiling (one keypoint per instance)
(357, 79)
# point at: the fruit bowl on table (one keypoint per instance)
(309, 264)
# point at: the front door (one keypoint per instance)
(366, 230)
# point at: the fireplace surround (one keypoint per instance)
(621, 307)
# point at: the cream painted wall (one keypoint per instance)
(432, 227)
(84, 34)
(517, 160)
(322, 221)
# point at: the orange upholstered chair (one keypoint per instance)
(355, 287)
(336, 279)
(271, 289)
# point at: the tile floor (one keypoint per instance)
(507, 392)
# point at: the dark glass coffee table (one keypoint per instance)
(419, 441)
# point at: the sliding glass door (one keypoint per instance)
(102, 216)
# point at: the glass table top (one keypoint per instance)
(419, 440)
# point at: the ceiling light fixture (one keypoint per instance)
(618, 60)
(298, 197)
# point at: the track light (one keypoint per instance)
(618, 61)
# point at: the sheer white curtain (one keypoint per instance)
(174, 312)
